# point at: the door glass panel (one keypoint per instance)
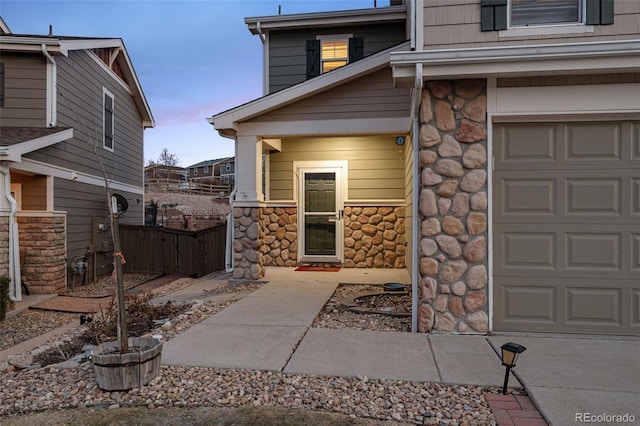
(320, 214)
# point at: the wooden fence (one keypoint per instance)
(157, 250)
(198, 187)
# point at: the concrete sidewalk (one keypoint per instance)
(270, 329)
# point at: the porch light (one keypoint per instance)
(510, 352)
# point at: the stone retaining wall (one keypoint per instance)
(453, 207)
(44, 266)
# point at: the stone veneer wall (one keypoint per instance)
(248, 260)
(4, 246)
(280, 227)
(44, 267)
(374, 237)
(453, 207)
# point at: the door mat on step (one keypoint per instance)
(318, 268)
(82, 305)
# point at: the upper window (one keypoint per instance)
(503, 14)
(333, 54)
(108, 104)
(227, 167)
(536, 12)
(1, 84)
(328, 52)
(206, 169)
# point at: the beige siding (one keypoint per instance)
(456, 24)
(569, 80)
(80, 83)
(371, 96)
(408, 190)
(25, 83)
(375, 164)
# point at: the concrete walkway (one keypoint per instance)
(270, 329)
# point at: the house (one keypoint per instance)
(161, 171)
(495, 154)
(209, 170)
(65, 103)
(228, 171)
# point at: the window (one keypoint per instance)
(206, 169)
(329, 52)
(195, 172)
(107, 120)
(503, 14)
(227, 167)
(225, 179)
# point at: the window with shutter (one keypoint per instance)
(503, 14)
(108, 120)
(329, 52)
(1, 84)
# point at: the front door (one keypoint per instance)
(320, 221)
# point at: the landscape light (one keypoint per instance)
(510, 352)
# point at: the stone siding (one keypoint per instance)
(374, 237)
(248, 259)
(4, 246)
(453, 207)
(280, 226)
(43, 241)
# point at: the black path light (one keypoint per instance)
(510, 352)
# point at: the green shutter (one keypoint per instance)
(356, 49)
(313, 58)
(493, 15)
(600, 12)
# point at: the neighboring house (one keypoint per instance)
(228, 171)
(496, 155)
(209, 169)
(61, 98)
(160, 171)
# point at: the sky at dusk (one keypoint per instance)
(194, 58)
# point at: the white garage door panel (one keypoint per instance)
(566, 227)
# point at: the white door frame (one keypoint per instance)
(340, 170)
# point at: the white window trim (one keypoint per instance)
(544, 29)
(113, 120)
(206, 169)
(227, 167)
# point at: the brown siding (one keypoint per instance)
(25, 92)
(80, 83)
(287, 49)
(376, 165)
(34, 191)
(372, 96)
(456, 24)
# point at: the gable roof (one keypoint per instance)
(208, 163)
(227, 122)
(62, 45)
(17, 141)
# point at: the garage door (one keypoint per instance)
(566, 227)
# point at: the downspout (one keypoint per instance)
(15, 288)
(53, 84)
(231, 229)
(415, 255)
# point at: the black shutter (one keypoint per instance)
(313, 58)
(356, 49)
(493, 15)
(600, 12)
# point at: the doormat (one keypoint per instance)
(318, 268)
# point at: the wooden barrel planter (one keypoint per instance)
(118, 371)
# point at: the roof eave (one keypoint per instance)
(334, 18)
(15, 152)
(230, 119)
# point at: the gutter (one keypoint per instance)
(415, 244)
(15, 287)
(52, 81)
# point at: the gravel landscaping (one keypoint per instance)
(73, 384)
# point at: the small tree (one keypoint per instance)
(168, 159)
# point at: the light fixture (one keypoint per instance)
(400, 140)
(510, 352)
